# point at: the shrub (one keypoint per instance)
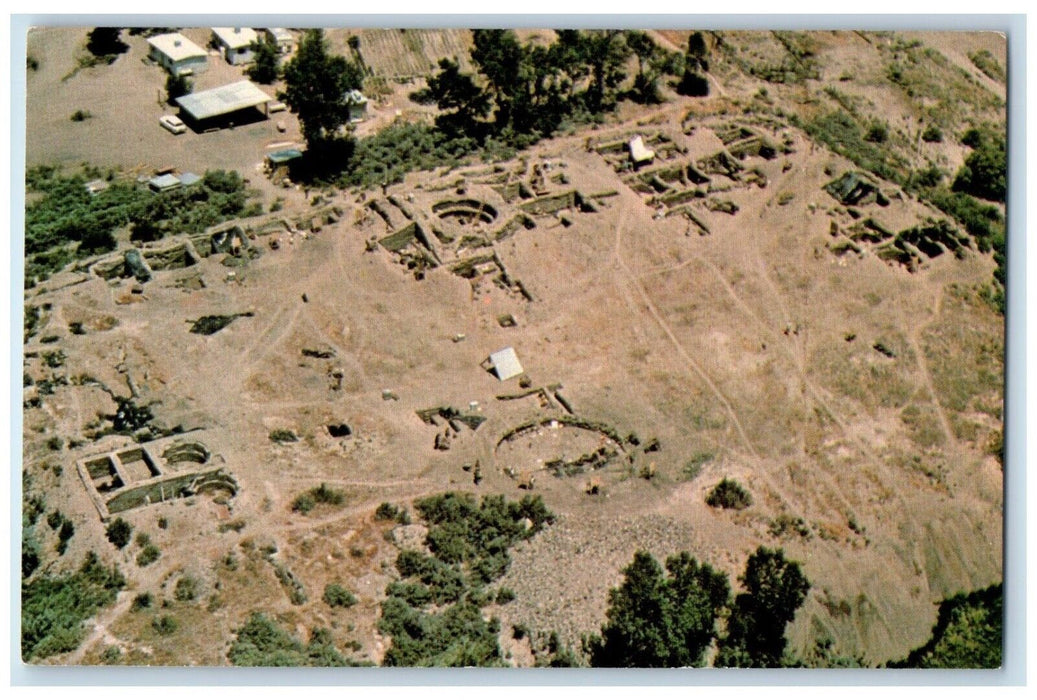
(119, 532)
(338, 596)
(186, 589)
(142, 601)
(386, 511)
(281, 435)
(112, 654)
(323, 494)
(985, 170)
(877, 133)
(81, 115)
(932, 134)
(504, 596)
(148, 555)
(165, 625)
(729, 494)
(64, 535)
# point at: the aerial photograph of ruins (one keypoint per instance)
(513, 348)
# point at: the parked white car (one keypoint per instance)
(172, 124)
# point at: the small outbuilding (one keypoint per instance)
(284, 39)
(177, 54)
(235, 43)
(639, 153)
(505, 364)
(165, 182)
(357, 104)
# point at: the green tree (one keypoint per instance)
(968, 633)
(774, 589)
(104, 42)
(652, 62)
(657, 621)
(498, 55)
(316, 85)
(177, 86)
(464, 103)
(696, 62)
(985, 170)
(266, 55)
(605, 52)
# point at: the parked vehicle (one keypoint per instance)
(172, 124)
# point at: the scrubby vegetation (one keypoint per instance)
(262, 642)
(54, 607)
(67, 222)
(318, 495)
(841, 132)
(968, 633)
(986, 168)
(338, 596)
(985, 61)
(728, 493)
(469, 541)
(149, 554)
(186, 589)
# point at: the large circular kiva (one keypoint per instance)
(465, 211)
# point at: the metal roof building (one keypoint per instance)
(506, 364)
(177, 54)
(164, 182)
(220, 101)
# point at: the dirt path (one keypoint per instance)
(100, 631)
(633, 280)
(913, 339)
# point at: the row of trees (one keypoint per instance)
(663, 620)
(522, 92)
(518, 94)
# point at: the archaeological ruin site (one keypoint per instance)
(706, 323)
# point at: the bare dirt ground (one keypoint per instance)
(748, 353)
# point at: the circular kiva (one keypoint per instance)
(465, 211)
(186, 452)
(564, 445)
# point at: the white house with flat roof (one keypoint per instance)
(177, 54)
(284, 39)
(235, 43)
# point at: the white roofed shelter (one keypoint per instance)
(177, 54)
(505, 364)
(284, 39)
(235, 43)
(222, 101)
(639, 153)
